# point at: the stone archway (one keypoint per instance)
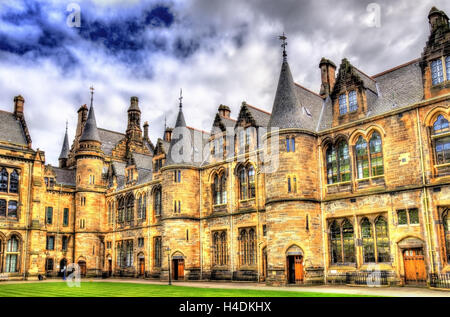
(178, 266)
(294, 265)
(412, 250)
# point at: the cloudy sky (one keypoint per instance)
(219, 52)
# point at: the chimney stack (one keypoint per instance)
(224, 111)
(328, 75)
(18, 106)
(168, 134)
(438, 19)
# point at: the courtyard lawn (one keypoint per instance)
(117, 289)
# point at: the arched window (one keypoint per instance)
(220, 189)
(2, 208)
(441, 144)
(130, 208)
(243, 183)
(446, 225)
(220, 248)
(12, 255)
(246, 176)
(336, 246)
(375, 238)
(12, 209)
(348, 239)
(4, 180)
(362, 159)
(14, 182)
(376, 155)
(247, 246)
(140, 207)
(157, 202)
(342, 244)
(367, 241)
(120, 253)
(381, 231)
(121, 210)
(338, 163)
(144, 206)
(129, 253)
(371, 155)
(447, 66)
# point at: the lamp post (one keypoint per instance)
(168, 264)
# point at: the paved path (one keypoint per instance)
(355, 290)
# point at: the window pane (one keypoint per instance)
(368, 242)
(243, 183)
(335, 241)
(349, 242)
(382, 240)
(343, 104)
(401, 217)
(251, 182)
(376, 155)
(14, 182)
(353, 102)
(3, 180)
(447, 65)
(2, 208)
(413, 216)
(293, 144)
(446, 222)
(437, 73)
(12, 209)
(344, 162)
(331, 165)
(442, 149)
(287, 144)
(362, 159)
(49, 218)
(440, 125)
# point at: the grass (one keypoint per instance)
(118, 289)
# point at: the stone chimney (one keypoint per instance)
(168, 134)
(328, 75)
(438, 19)
(82, 117)
(18, 106)
(224, 111)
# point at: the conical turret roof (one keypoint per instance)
(65, 147)
(286, 111)
(90, 131)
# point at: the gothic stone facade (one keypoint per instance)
(363, 183)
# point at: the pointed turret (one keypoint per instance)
(180, 118)
(64, 155)
(286, 111)
(90, 131)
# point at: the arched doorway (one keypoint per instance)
(62, 268)
(177, 266)
(49, 264)
(412, 251)
(294, 265)
(141, 265)
(82, 265)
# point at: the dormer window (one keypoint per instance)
(437, 71)
(349, 99)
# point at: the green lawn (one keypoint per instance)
(117, 289)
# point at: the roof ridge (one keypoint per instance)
(257, 109)
(110, 131)
(309, 90)
(396, 68)
(200, 130)
(363, 73)
(7, 112)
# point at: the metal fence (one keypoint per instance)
(359, 278)
(440, 280)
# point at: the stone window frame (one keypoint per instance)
(157, 201)
(247, 192)
(351, 102)
(440, 73)
(219, 246)
(18, 253)
(6, 178)
(334, 146)
(369, 154)
(219, 184)
(408, 216)
(373, 219)
(247, 254)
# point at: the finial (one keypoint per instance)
(181, 98)
(67, 124)
(92, 94)
(283, 39)
(165, 123)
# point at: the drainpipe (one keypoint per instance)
(322, 218)
(425, 198)
(26, 256)
(200, 225)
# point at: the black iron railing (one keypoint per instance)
(440, 280)
(368, 278)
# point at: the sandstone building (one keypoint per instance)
(350, 180)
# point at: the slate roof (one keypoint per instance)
(261, 117)
(90, 132)
(109, 139)
(65, 176)
(10, 129)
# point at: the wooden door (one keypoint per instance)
(181, 269)
(110, 267)
(141, 267)
(298, 262)
(414, 261)
(264, 264)
(82, 266)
